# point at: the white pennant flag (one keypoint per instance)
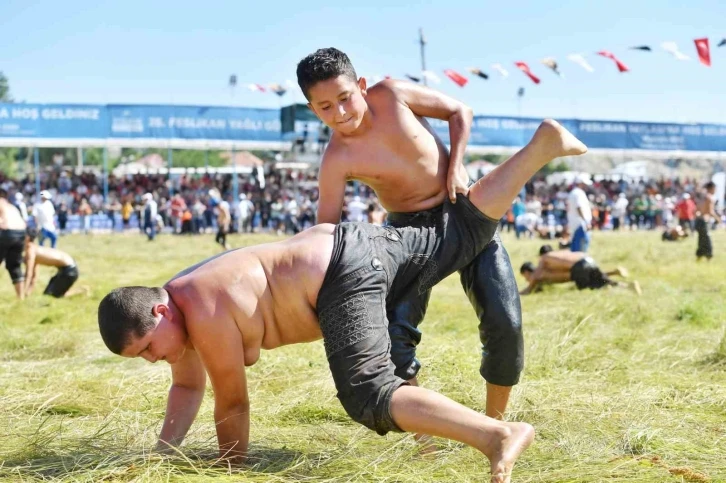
(431, 76)
(672, 49)
(500, 69)
(579, 59)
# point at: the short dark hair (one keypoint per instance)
(710, 185)
(31, 233)
(126, 312)
(545, 249)
(526, 267)
(322, 65)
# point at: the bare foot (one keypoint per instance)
(426, 446)
(623, 272)
(636, 288)
(508, 450)
(556, 140)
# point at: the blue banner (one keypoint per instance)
(53, 121)
(72, 122)
(183, 122)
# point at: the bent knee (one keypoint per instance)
(372, 410)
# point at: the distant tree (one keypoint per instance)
(4, 89)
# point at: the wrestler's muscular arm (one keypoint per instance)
(31, 269)
(185, 396)
(218, 342)
(427, 102)
(331, 183)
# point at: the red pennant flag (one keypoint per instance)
(704, 52)
(525, 68)
(458, 79)
(621, 67)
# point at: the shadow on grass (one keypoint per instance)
(98, 464)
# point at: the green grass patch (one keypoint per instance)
(619, 388)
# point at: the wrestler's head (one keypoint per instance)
(545, 249)
(333, 90)
(31, 233)
(710, 187)
(526, 270)
(141, 322)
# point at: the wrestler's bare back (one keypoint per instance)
(50, 256)
(270, 291)
(400, 156)
(561, 260)
(10, 218)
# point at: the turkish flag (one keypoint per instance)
(525, 68)
(459, 79)
(704, 52)
(621, 67)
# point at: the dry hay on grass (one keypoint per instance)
(619, 388)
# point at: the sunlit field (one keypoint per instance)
(618, 387)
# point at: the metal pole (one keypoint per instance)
(105, 174)
(80, 158)
(206, 160)
(235, 181)
(170, 163)
(36, 162)
(422, 42)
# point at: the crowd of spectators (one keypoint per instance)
(282, 201)
(285, 201)
(615, 204)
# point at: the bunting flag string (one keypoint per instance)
(457, 78)
(525, 68)
(579, 59)
(704, 52)
(621, 67)
(702, 45)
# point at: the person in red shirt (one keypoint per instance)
(686, 211)
(178, 207)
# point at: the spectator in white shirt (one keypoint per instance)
(357, 210)
(246, 208)
(43, 213)
(579, 215)
(619, 210)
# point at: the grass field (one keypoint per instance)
(619, 388)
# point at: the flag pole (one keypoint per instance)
(422, 43)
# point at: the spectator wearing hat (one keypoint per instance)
(43, 213)
(579, 214)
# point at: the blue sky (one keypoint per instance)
(183, 52)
